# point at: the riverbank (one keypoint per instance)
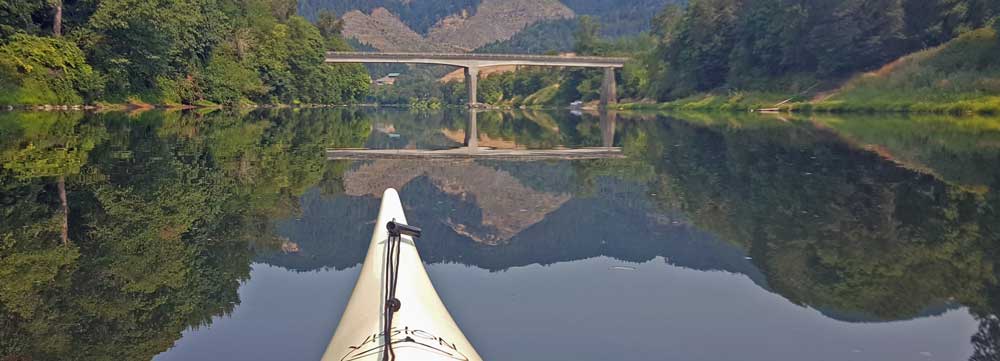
(760, 102)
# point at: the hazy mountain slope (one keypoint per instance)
(495, 20)
(419, 15)
(398, 25)
(617, 19)
(465, 25)
(384, 31)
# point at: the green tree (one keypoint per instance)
(134, 43)
(933, 22)
(16, 16)
(697, 58)
(587, 36)
(329, 24)
(40, 70)
(227, 81)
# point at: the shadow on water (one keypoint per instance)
(866, 219)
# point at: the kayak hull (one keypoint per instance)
(422, 329)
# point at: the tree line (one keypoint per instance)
(170, 52)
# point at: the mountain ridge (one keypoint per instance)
(492, 21)
(468, 25)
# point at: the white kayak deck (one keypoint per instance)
(422, 328)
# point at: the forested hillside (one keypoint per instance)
(539, 38)
(170, 52)
(419, 15)
(620, 18)
(790, 43)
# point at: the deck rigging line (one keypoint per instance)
(391, 271)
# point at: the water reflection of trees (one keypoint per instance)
(162, 208)
(834, 221)
(986, 341)
(516, 128)
(832, 224)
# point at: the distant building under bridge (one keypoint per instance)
(389, 79)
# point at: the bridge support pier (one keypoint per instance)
(471, 84)
(609, 88)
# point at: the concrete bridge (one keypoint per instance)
(473, 62)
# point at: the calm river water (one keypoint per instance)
(217, 236)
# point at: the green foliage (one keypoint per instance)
(329, 24)
(413, 88)
(770, 44)
(562, 87)
(37, 70)
(587, 36)
(136, 42)
(620, 19)
(511, 88)
(16, 16)
(229, 82)
(177, 52)
(934, 22)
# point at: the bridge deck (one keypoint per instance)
(465, 60)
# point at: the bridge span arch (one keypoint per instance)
(473, 62)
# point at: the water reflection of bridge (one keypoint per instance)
(471, 150)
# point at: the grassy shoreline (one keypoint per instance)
(713, 103)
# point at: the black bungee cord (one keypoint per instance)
(392, 304)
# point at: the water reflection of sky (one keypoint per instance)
(580, 310)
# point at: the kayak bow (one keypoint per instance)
(421, 329)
